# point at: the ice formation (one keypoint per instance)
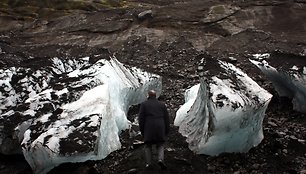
(223, 113)
(287, 74)
(19, 84)
(78, 116)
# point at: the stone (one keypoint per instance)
(145, 15)
(255, 166)
(272, 124)
(211, 168)
(132, 171)
(232, 59)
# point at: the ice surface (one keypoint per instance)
(289, 82)
(190, 97)
(80, 115)
(17, 86)
(223, 113)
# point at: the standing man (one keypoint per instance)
(154, 127)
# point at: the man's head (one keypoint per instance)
(151, 94)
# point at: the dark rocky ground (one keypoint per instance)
(170, 42)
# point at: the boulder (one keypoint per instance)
(145, 15)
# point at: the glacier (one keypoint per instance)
(72, 111)
(224, 112)
(288, 79)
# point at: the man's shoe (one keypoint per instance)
(148, 166)
(162, 165)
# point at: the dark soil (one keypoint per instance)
(170, 44)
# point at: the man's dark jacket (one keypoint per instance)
(153, 121)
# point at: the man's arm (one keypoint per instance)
(166, 119)
(141, 119)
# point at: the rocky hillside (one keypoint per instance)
(168, 38)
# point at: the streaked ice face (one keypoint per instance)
(223, 114)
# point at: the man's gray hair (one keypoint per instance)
(151, 93)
